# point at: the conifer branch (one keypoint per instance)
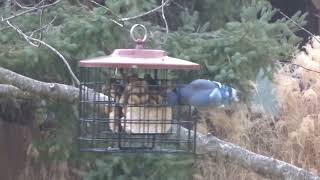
(31, 41)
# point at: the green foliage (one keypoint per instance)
(235, 53)
(59, 130)
(142, 167)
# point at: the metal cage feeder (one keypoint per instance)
(123, 103)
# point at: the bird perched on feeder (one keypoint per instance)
(150, 81)
(201, 92)
(153, 89)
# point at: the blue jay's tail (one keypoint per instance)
(228, 93)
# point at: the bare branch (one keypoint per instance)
(4, 28)
(40, 23)
(43, 27)
(56, 91)
(262, 165)
(146, 13)
(179, 5)
(31, 41)
(304, 29)
(108, 9)
(27, 38)
(27, 7)
(29, 10)
(295, 64)
(165, 20)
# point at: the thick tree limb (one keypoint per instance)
(263, 165)
(11, 91)
(56, 91)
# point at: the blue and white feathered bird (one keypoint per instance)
(201, 92)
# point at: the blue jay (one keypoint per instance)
(201, 92)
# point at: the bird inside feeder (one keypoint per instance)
(137, 114)
(140, 100)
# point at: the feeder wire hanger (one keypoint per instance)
(139, 42)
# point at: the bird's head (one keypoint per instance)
(147, 77)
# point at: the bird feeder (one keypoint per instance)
(123, 102)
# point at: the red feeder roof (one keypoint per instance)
(139, 58)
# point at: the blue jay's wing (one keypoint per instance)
(202, 98)
(203, 92)
(202, 84)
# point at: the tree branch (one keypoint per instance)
(164, 20)
(262, 165)
(56, 91)
(146, 13)
(31, 41)
(11, 91)
(29, 11)
(108, 9)
(295, 23)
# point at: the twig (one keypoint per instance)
(27, 38)
(308, 69)
(165, 20)
(26, 7)
(146, 13)
(28, 11)
(179, 5)
(116, 22)
(40, 23)
(4, 28)
(30, 39)
(105, 7)
(43, 27)
(304, 29)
